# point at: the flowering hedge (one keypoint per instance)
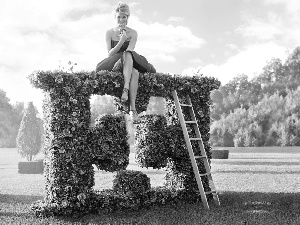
(72, 146)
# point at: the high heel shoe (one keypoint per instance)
(124, 97)
(135, 116)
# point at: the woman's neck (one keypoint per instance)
(119, 28)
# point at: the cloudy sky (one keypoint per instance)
(221, 38)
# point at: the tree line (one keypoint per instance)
(10, 119)
(263, 111)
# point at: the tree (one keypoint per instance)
(10, 118)
(29, 139)
(102, 104)
(5, 119)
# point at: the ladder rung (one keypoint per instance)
(195, 139)
(200, 156)
(204, 174)
(211, 192)
(186, 105)
(190, 121)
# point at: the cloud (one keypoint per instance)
(191, 71)
(161, 57)
(249, 61)
(175, 19)
(158, 37)
(155, 13)
(292, 7)
(279, 25)
(260, 29)
(196, 60)
(232, 46)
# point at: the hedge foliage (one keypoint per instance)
(108, 143)
(32, 167)
(72, 145)
(109, 201)
(220, 154)
(129, 181)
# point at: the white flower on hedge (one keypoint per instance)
(65, 203)
(81, 197)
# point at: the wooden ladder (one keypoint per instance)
(191, 152)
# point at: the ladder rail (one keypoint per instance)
(198, 134)
(191, 152)
(202, 149)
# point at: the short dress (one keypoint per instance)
(115, 62)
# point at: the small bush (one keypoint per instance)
(220, 154)
(130, 181)
(36, 167)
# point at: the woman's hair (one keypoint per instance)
(122, 8)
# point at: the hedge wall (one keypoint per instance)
(72, 146)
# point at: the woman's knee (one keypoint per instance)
(127, 57)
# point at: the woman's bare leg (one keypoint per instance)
(127, 71)
(133, 88)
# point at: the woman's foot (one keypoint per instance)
(135, 116)
(124, 97)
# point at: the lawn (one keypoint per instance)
(256, 186)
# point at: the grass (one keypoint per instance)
(256, 186)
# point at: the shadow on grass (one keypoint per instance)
(246, 199)
(236, 208)
(5, 198)
(15, 209)
(257, 172)
(237, 163)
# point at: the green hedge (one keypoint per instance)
(108, 142)
(220, 154)
(72, 145)
(110, 201)
(129, 181)
(34, 167)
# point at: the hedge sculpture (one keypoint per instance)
(72, 146)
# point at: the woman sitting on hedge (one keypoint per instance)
(120, 42)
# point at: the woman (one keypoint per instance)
(120, 42)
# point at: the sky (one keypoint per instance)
(220, 38)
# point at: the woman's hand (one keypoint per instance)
(123, 36)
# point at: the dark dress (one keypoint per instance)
(115, 62)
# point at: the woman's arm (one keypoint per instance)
(112, 51)
(133, 40)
